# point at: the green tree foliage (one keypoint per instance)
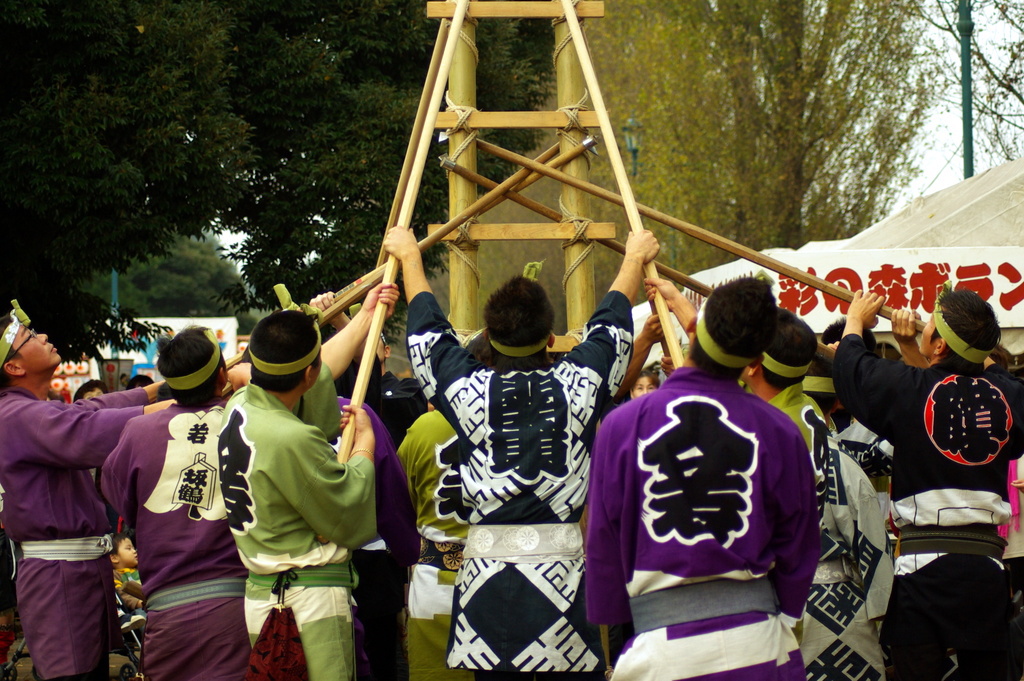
(331, 92)
(116, 136)
(771, 122)
(125, 124)
(184, 283)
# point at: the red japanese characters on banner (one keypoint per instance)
(917, 290)
(797, 296)
(1009, 300)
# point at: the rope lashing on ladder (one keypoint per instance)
(463, 242)
(461, 125)
(463, 112)
(560, 20)
(571, 111)
(580, 225)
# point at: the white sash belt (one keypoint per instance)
(84, 548)
(832, 572)
(525, 543)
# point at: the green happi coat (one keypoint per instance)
(804, 412)
(429, 455)
(292, 506)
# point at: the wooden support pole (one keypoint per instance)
(665, 271)
(516, 119)
(516, 10)
(417, 126)
(464, 276)
(521, 179)
(621, 180)
(404, 220)
(530, 231)
(689, 229)
(580, 298)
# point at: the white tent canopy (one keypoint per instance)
(971, 233)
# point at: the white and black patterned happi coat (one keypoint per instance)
(524, 458)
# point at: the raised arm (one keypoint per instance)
(641, 248)
(904, 332)
(863, 313)
(401, 243)
(677, 303)
(338, 352)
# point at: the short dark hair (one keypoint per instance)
(822, 367)
(974, 321)
(480, 348)
(794, 345)
(87, 387)
(741, 317)
(117, 539)
(5, 379)
(834, 332)
(186, 353)
(518, 314)
(649, 374)
(281, 337)
(139, 381)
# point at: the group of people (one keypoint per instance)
(722, 524)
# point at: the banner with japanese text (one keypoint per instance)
(906, 277)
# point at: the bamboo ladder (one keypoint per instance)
(454, 62)
(455, 56)
(574, 81)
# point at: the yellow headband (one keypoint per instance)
(285, 299)
(18, 320)
(776, 367)
(289, 367)
(819, 384)
(955, 342)
(272, 369)
(197, 378)
(714, 350)
(519, 350)
(532, 270)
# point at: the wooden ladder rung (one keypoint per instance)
(530, 231)
(482, 120)
(588, 9)
(564, 344)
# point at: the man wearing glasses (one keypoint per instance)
(49, 504)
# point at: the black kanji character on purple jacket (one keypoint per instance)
(701, 465)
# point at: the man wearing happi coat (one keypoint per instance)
(703, 523)
(163, 479)
(954, 427)
(296, 511)
(525, 427)
(50, 507)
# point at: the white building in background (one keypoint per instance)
(117, 372)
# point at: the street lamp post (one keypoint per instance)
(632, 133)
(966, 27)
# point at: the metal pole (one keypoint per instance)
(114, 304)
(966, 27)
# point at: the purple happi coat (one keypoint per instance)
(696, 481)
(46, 451)
(163, 479)
(396, 518)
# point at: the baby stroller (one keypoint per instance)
(132, 648)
